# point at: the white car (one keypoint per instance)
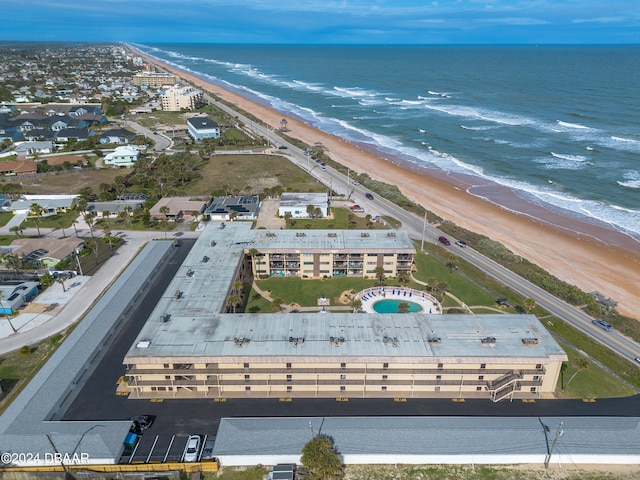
(193, 449)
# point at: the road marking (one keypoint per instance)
(124, 394)
(528, 400)
(286, 399)
(219, 400)
(157, 400)
(589, 400)
(400, 400)
(457, 400)
(342, 399)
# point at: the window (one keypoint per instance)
(289, 378)
(246, 365)
(483, 366)
(247, 388)
(533, 389)
(536, 378)
(384, 388)
(538, 366)
(166, 365)
(440, 365)
(437, 389)
(384, 377)
(167, 377)
(343, 365)
(288, 365)
(385, 365)
(343, 377)
(478, 389)
(480, 377)
(438, 378)
(343, 388)
(247, 377)
(289, 388)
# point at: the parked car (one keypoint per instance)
(444, 241)
(603, 325)
(369, 196)
(461, 243)
(193, 448)
(638, 359)
(207, 451)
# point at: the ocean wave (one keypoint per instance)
(481, 114)
(572, 125)
(572, 158)
(479, 128)
(438, 94)
(629, 183)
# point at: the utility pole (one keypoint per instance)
(559, 433)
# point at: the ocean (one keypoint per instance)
(558, 125)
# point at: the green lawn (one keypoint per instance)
(60, 220)
(5, 217)
(593, 382)
(238, 473)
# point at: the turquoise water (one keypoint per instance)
(391, 306)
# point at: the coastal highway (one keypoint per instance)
(417, 228)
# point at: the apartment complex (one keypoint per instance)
(154, 79)
(330, 253)
(181, 98)
(191, 347)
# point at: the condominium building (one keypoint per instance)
(192, 347)
(154, 79)
(181, 98)
(331, 253)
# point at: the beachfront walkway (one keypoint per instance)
(370, 296)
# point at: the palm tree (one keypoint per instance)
(403, 278)
(276, 304)
(233, 301)
(107, 215)
(6, 313)
(89, 218)
(237, 287)
(451, 263)
(356, 304)
(165, 223)
(403, 307)
(37, 211)
(17, 230)
(61, 280)
(580, 364)
(61, 225)
(529, 304)
(379, 271)
(319, 457)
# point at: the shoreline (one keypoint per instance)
(590, 256)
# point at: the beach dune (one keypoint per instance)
(594, 258)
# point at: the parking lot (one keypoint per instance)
(162, 449)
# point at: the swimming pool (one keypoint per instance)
(391, 306)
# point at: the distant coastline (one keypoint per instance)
(582, 252)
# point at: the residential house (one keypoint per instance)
(297, 204)
(238, 207)
(30, 148)
(202, 127)
(67, 134)
(117, 135)
(178, 207)
(47, 252)
(125, 156)
(18, 167)
(15, 296)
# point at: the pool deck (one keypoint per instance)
(372, 295)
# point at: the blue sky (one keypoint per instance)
(324, 21)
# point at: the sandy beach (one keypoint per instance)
(578, 252)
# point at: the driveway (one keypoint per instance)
(268, 216)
